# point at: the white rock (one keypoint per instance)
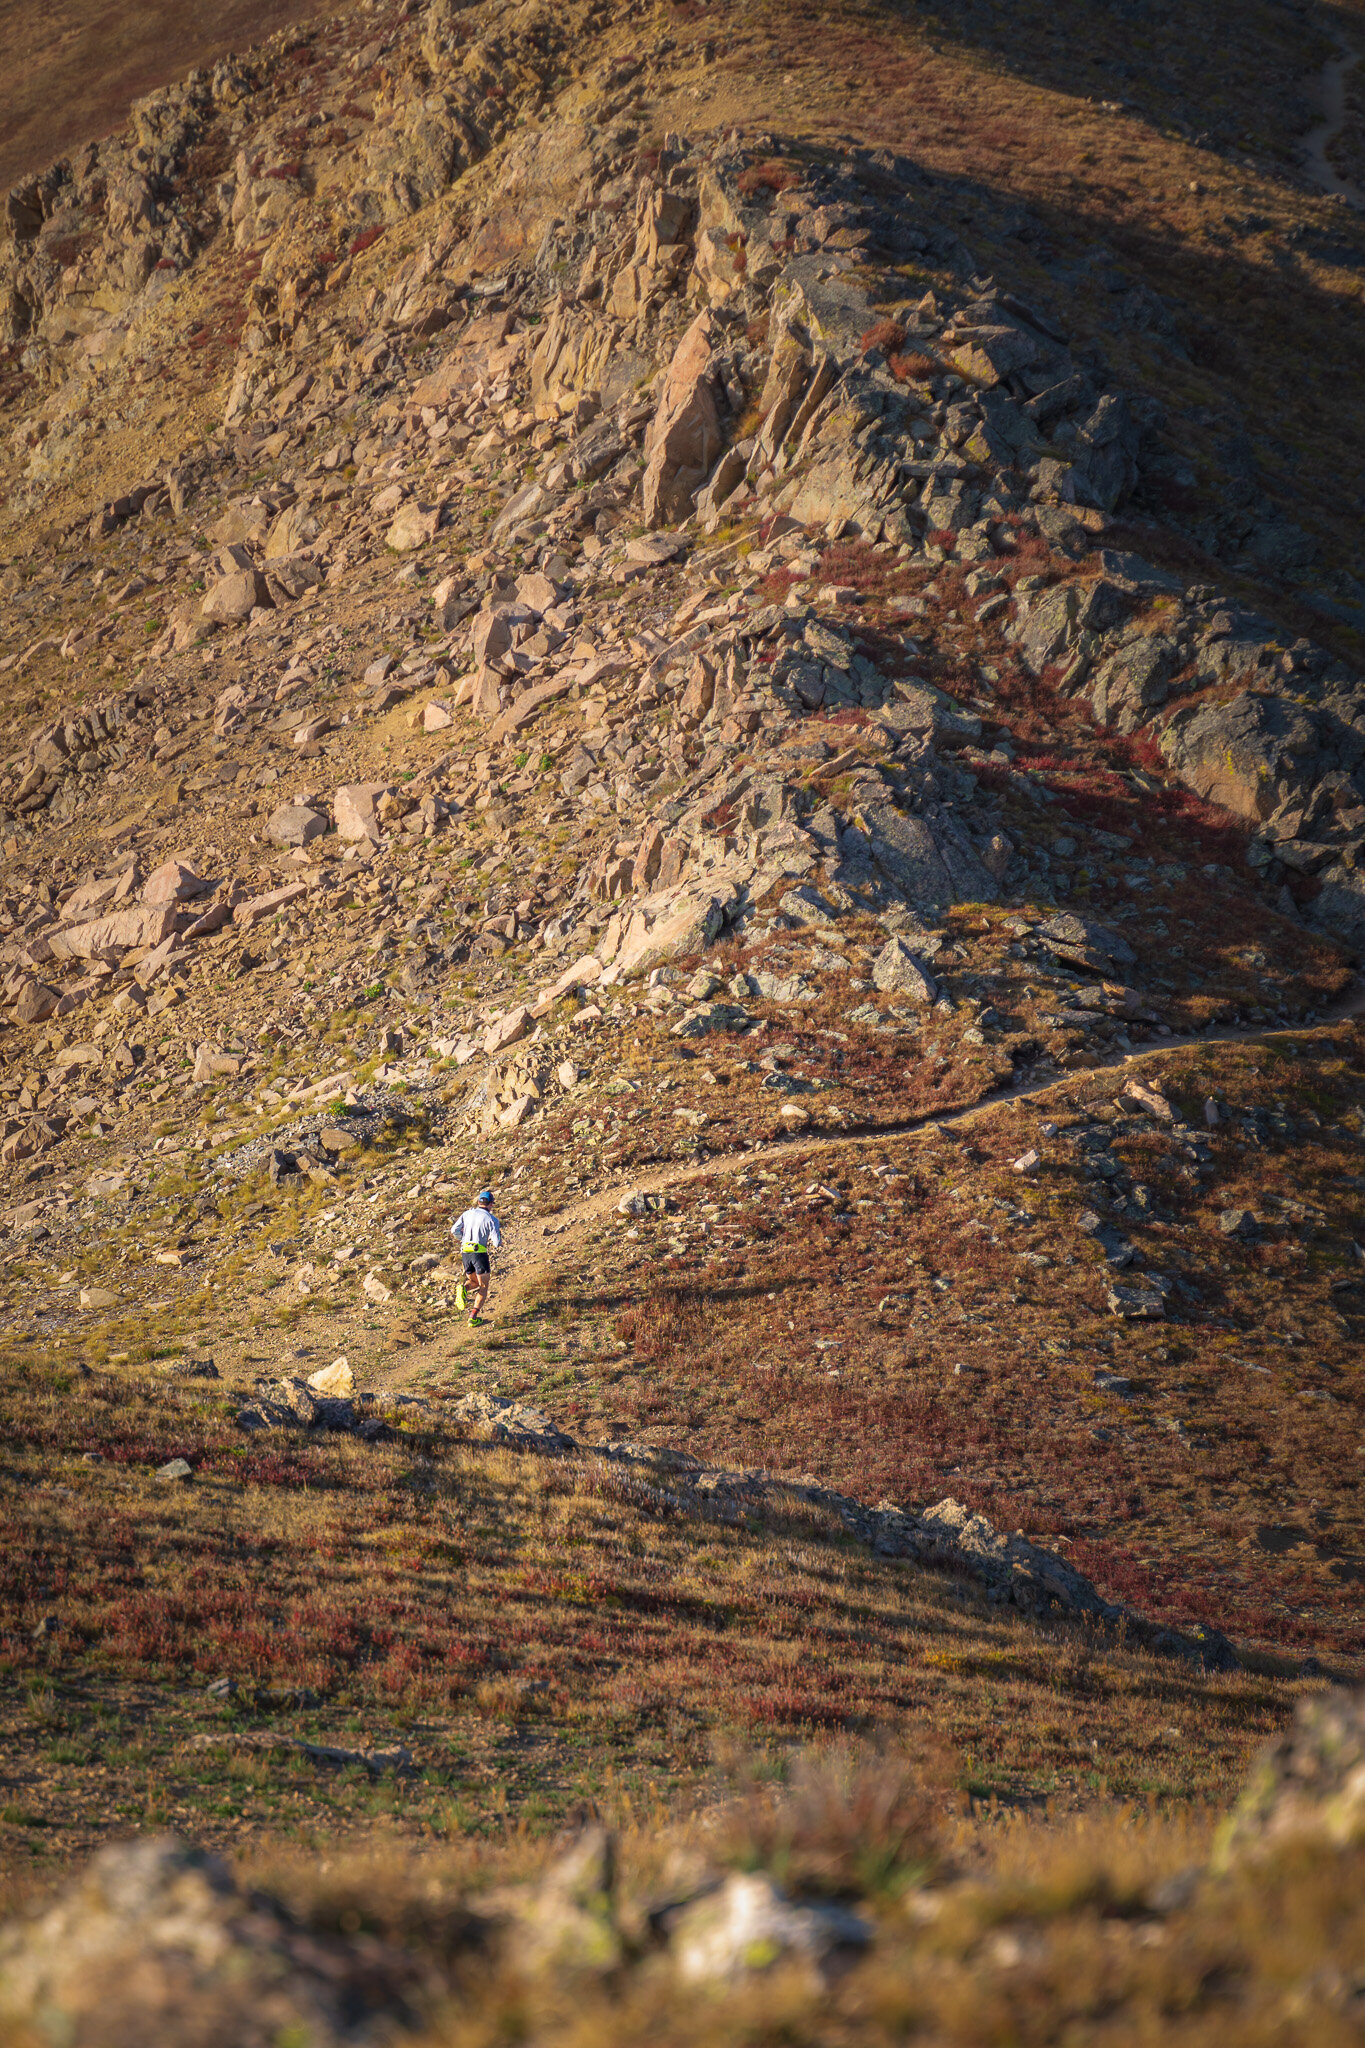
(376, 1289)
(336, 1378)
(749, 1926)
(445, 601)
(537, 592)
(651, 550)
(686, 928)
(582, 974)
(87, 902)
(685, 436)
(437, 716)
(1027, 1162)
(491, 635)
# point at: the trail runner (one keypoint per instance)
(479, 1234)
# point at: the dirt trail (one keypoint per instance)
(1332, 97)
(525, 1263)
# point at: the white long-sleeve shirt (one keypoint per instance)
(478, 1230)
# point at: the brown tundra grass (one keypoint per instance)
(562, 1616)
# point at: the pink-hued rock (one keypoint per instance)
(35, 1002)
(89, 900)
(685, 435)
(146, 924)
(508, 1029)
(485, 701)
(172, 882)
(582, 974)
(355, 808)
(687, 927)
(234, 598)
(528, 703)
(414, 526)
(257, 908)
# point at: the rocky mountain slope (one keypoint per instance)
(579, 618)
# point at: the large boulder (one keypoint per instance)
(413, 527)
(290, 577)
(355, 810)
(883, 853)
(788, 369)
(244, 520)
(1134, 680)
(1104, 452)
(567, 1922)
(173, 882)
(234, 598)
(490, 635)
(35, 1002)
(294, 528)
(295, 825)
(153, 1942)
(748, 1925)
(1085, 942)
(1054, 622)
(93, 897)
(896, 971)
(257, 909)
(1247, 755)
(145, 925)
(494, 1417)
(1339, 906)
(685, 435)
(572, 357)
(1310, 1781)
(664, 927)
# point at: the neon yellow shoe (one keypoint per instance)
(460, 1301)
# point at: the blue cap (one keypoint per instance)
(486, 1195)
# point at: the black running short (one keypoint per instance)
(475, 1262)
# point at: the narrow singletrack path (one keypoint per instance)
(529, 1257)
